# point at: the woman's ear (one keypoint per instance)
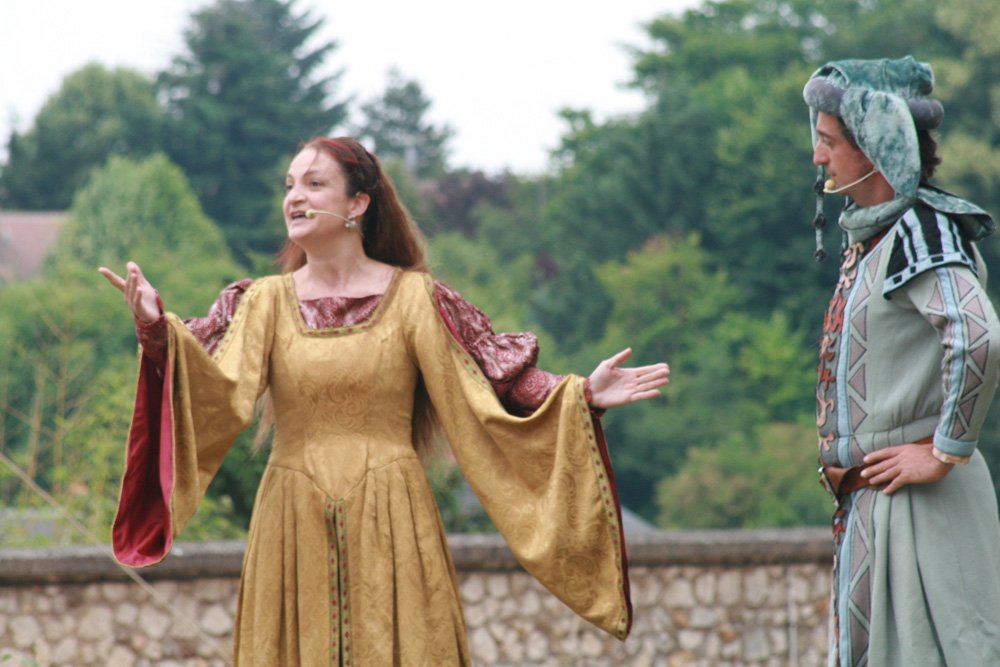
(359, 204)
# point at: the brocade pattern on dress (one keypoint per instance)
(507, 359)
(347, 560)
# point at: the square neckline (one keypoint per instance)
(300, 323)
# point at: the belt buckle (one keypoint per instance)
(824, 481)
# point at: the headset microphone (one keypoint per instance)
(313, 212)
(830, 187)
(349, 223)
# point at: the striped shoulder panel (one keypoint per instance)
(925, 239)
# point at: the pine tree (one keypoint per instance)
(246, 94)
(396, 126)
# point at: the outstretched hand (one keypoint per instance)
(611, 386)
(139, 294)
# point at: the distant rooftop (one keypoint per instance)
(26, 238)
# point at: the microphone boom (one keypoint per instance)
(313, 212)
(830, 186)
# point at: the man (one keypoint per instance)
(908, 367)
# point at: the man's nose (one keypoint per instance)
(819, 155)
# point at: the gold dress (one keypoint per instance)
(346, 559)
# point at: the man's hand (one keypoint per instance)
(895, 467)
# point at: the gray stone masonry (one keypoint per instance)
(727, 598)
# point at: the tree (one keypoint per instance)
(628, 179)
(68, 346)
(475, 270)
(453, 198)
(748, 483)
(146, 211)
(95, 114)
(397, 127)
(244, 96)
(741, 65)
(731, 373)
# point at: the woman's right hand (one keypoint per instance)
(139, 294)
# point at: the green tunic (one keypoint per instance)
(910, 354)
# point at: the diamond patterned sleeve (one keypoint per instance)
(955, 302)
(506, 359)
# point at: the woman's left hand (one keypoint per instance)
(895, 467)
(611, 386)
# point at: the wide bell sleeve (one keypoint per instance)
(190, 406)
(545, 480)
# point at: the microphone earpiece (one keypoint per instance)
(829, 186)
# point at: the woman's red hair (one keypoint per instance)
(389, 233)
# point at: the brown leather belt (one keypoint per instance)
(843, 481)
(852, 481)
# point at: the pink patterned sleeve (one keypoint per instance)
(209, 330)
(506, 359)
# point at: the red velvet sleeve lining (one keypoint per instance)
(142, 531)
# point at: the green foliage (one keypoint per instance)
(408, 189)
(146, 212)
(568, 300)
(397, 128)
(460, 510)
(475, 270)
(240, 101)
(53, 339)
(67, 341)
(95, 114)
(458, 198)
(730, 371)
(682, 231)
(758, 224)
(628, 179)
(751, 482)
(967, 84)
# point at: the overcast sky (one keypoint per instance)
(496, 72)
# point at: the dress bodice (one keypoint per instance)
(343, 396)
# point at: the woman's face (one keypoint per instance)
(316, 181)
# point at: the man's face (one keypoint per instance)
(843, 161)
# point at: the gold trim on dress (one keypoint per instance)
(303, 328)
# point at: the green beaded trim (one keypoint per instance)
(239, 317)
(607, 496)
(339, 594)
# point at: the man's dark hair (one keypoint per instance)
(929, 159)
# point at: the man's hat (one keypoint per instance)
(883, 103)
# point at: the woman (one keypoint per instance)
(362, 354)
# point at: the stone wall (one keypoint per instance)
(704, 598)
